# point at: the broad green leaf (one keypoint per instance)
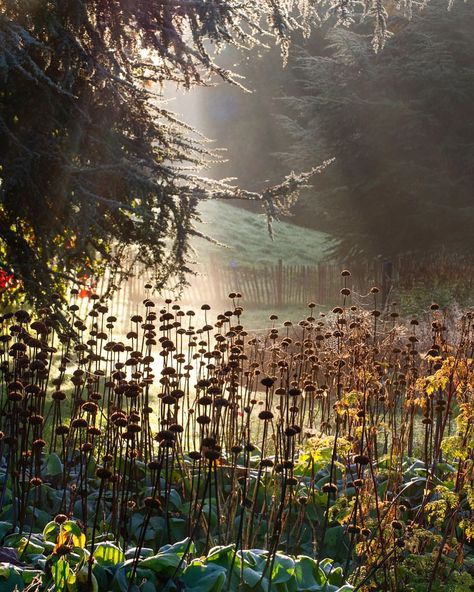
(10, 579)
(51, 531)
(61, 571)
(5, 528)
(54, 466)
(283, 569)
(144, 552)
(107, 554)
(78, 537)
(201, 577)
(29, 547)
(224, 556)
(179, 548)
(309, 576)
(162, 562)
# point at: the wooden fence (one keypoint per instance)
(273, 286)
(282, 285)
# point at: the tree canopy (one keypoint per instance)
(91, 160)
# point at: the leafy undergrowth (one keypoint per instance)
(39, 562)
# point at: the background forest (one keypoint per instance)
(399, 124)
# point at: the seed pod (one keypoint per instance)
(38, 444)
(58, 396)
(103, 473)
(361, 459)
(203, 420)
(212, 455)
(60, 518)
(90, 407)
(80, 423)
(152, 503)
(329, 488)
(353, 529)
(36, 420)
(294, 392)
(155, 465)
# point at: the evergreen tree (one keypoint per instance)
(400, 125)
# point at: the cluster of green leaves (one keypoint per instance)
(37, 563)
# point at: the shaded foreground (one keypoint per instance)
(324, 455)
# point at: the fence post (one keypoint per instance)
(387, 279)
(280, 283)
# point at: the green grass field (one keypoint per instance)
(248, 242)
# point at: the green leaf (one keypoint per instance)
(179, 548)
(78, 537)
(336, 576)
(144, 552)
(175, 499)
(54, 466)
(61, 571)
(108, 554)
(29, 546)
(10, 579)
(5, 528)
(201, 577)
(223, 556)
(51, 531)
(309, 576)
(283, 569)
(162, 562)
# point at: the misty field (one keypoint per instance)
(329, 454)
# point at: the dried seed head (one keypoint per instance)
(80, 423)
(152, 503)
(361, 459)
(329, 488)
(60, 518)
(353, 529)
(103, 473)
